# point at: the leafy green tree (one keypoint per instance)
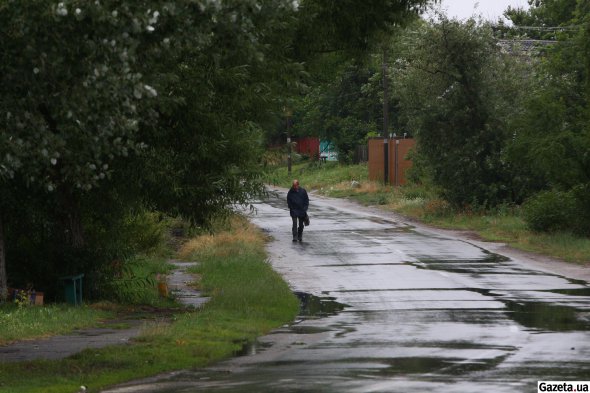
(543, 13)
(73, 93)
(108, 106)
(337, 40)
(552, 135)
(205, 154)
(456, 94)
(343, 109)
(349, 25)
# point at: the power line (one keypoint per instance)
(544, 28)
(528, 41)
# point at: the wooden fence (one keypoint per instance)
(394, 152)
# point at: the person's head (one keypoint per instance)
(296, 184)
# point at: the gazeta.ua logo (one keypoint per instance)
(563, 386)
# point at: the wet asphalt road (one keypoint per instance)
(388, 307)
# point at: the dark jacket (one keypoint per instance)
(298, 202)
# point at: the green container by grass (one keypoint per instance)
(73, 289)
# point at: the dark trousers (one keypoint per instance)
(297, 230)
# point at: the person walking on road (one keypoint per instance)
(298, 202)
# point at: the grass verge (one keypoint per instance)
(248, 299)
(23, 323)
(502, 224)
(134, 287)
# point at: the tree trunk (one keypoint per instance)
(72, 220)
(3, 277)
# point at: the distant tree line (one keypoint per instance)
(493, 126)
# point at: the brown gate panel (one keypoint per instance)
(375, 163)
(398, 152)
(397, 156)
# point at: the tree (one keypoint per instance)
(456, 94)
(350, 26)
(105, 90)
(544, 20)
(552, 135)
(342, 109)
(205, 154)
(337, 40)
(108, 106)
(73, 95)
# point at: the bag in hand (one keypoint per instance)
(306, 220)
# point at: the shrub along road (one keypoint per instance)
(393, 307)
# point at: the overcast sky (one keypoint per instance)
(488, 9)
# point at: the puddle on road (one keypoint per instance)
(573, 291)
(252, 348)
(318, 307)
(430, 365)
(538, 315)
(311, 307)
(543, 316)
(465, 266)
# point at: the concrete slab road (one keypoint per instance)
(393, 307)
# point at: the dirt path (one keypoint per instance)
(110, 333)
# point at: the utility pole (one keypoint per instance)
(288, 125)
(385, 118)
(385, 95)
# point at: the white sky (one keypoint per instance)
(488, 9)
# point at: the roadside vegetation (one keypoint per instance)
(499, 114)
(247, 300)
(23, 323)
(504, 223)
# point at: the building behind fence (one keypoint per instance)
(315, 149)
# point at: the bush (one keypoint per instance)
(437, 208)
(131, 281)
(551, 211)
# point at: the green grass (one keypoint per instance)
(507, 227)
(313, 175)
(22, 323)
(248, 299)
(503, 224)
(135, 287)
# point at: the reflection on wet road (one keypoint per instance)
(388, 308)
